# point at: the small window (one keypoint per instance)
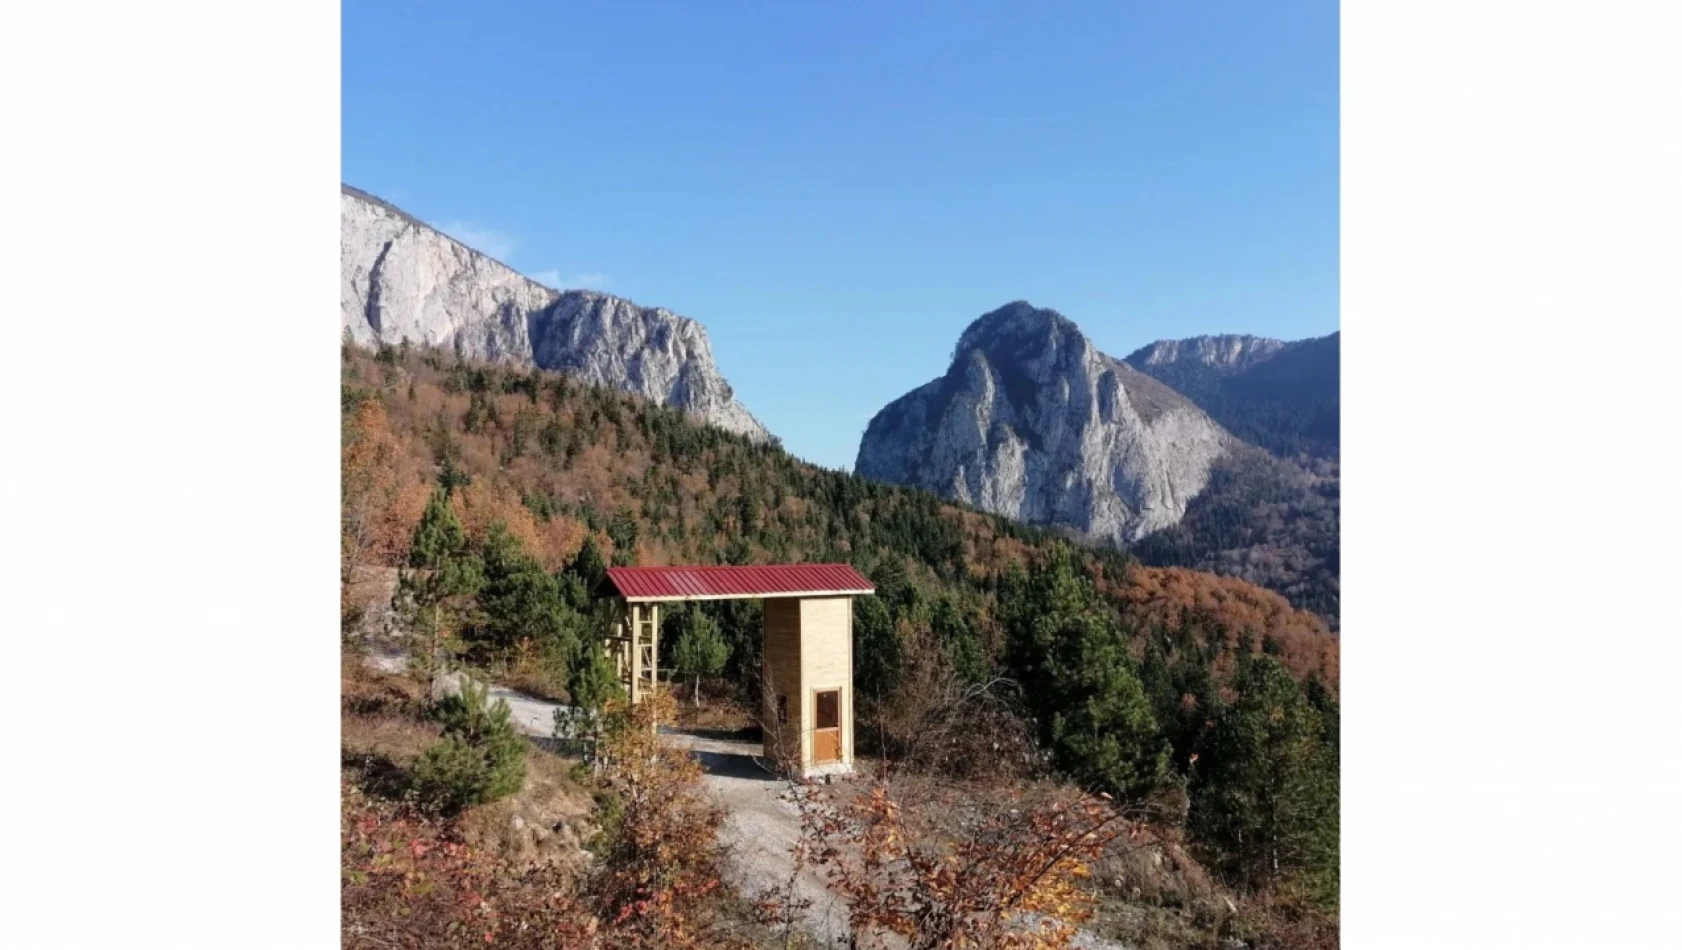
(829, 709)
(782, 709)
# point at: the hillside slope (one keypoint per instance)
(1200, 694)
(403, 280)
(558, 462)
(1266, 520)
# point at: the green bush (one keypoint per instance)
(481, 757)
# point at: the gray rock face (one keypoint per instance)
(401, 279)
(1229, 352)
(1032, 422)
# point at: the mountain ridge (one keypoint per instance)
(1279, 395)
(402, 278)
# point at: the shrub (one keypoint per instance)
(661, 861)
(480, 758)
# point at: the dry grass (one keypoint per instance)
(367, 692)
(546, 823)
(397, 739)
(716, 712)
(533, 680)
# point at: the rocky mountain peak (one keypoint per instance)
(1033, 422)
(402, 279)
(1019, 323)
(1280, 395)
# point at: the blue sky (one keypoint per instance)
(837, 189)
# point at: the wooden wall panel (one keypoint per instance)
(782, 671)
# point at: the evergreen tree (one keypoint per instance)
(1071, 658)
(433, 594)
(877, 653)
(594, 683)
(588, 565)
(1264, 795)
(1101, 728)
(742, 623)
(622, 531)
(700, 650)
(1320, 697)
(962, 645)
(1180, 692)
(521, 601)
(480, 758)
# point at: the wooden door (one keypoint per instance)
(826, 727)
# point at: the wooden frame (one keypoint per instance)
(634, 645)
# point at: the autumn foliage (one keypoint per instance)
(1004, 876)
(1175, 599)
(661, 860)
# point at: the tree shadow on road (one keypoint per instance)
(735, 765)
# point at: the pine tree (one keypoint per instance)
(877, 653)
(520, 601)
(962, 646)
(588, 565)
(434, 593)
(1071, 658)
(622, 531)
(700, 650)
(480, 758)
(1265, 793)
(594, 684)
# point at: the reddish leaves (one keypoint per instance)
(1008, 879)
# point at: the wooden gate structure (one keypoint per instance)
(633, 642)
(807, 713)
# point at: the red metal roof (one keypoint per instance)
(721, 583)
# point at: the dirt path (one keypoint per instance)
(760, 827)
(532, 716)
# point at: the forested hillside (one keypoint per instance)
(557, 462)
(1266, 520)
(509, 490)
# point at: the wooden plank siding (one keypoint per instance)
(782, 673)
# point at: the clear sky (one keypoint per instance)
(835, 190)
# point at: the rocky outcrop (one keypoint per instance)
(1230, 353)
(400, 279)
(1034, 423)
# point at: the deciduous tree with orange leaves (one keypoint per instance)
(997, 877)
(661, 861)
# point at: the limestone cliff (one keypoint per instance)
(400, 278)
(1033, 422)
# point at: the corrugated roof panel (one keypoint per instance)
(714, 582)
